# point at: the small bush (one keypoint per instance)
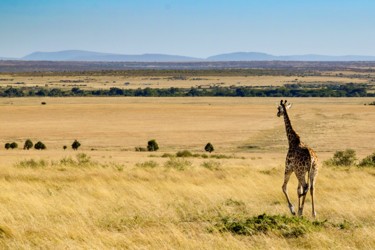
(141, 149)
(31, 163)
(368, 161)
(65, 147)
(184, 153)
(28, 144)
(343, 158)
(288, 227)
(167, 155)
(221, 157)
(178, 164)
(84, 159)
(152, 145)
(7, 146)
(209, 147)
(67, 161)
(40, 146)
(204, 156)
(211, 165)
(81, 160)
(147, 164)
(76, 145)
(13, 145)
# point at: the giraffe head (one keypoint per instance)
(283, 106)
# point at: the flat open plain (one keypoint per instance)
(117, 201)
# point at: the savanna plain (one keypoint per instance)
(106, 195)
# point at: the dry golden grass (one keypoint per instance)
(98, 208)
(134, 82)
(113, 202)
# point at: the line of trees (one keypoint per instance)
(38, 146)
(288, 90)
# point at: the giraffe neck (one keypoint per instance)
(293, 137)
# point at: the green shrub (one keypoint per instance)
(40, 146)
(31, 163)
(67, 161)
(81, 160)
(76, 145)
(152, 145)
(7, 146)
(84, 160)
(13, 145)
(178, 164)
(147, 164)
(184, 153)
(343, 158)
(211, 165)
(288, 227)
(28, 144)
(209, 147)
(368, 161)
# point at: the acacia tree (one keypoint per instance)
(76, 145)
(209, 148)
(13, 145)
(152, 145)
(7, 146)
(28, 144)
(40, 146)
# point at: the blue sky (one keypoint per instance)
(197, 28)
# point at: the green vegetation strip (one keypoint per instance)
(291, 90)
(348, 158)
(288, 227)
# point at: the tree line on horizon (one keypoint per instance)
(288, 90)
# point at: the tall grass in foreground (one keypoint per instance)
(80, 161)
(147, 206)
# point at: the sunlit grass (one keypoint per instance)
(149, 206)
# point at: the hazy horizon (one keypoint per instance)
(188, 27)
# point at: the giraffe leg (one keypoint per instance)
(301, 193)
(300, 209)
(312, 200)
(285, 190)
(312, 189)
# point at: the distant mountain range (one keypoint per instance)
(256, 56)
(81, 55)
(8, 58)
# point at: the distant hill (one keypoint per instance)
(8, 58)
(242, 56)
(81, 55)
(256, 56)
(90, 56)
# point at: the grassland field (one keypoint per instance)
(107, 196)
(93, 82)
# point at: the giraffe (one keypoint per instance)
(301, 160)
